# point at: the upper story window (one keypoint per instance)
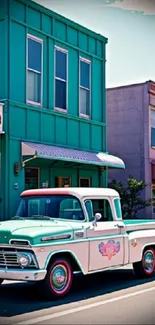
(85, 85)
(34, 70)
(61, 79)
(152, 128)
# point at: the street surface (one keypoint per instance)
(113, 297)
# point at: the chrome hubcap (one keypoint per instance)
(149, 261)
(59, 277)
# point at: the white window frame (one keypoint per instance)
(39, 40)
(57, 48)
(151, 127)
(88, 178)
(88, 89)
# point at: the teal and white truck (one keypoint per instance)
(58, 232)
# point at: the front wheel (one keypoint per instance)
(145, 268)
(58, 280)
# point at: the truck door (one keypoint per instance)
(106, 239)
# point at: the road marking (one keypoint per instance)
(78, 309)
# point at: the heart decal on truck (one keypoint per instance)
(110, 249)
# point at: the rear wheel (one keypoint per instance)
(58, 280)
(145, 268)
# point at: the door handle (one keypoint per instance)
(119, 226)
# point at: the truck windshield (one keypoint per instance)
(49, 207)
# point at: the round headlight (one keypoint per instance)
(24, 260)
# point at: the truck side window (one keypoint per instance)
(103, 207)
(89, 208)
(118, 208)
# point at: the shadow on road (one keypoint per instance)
(20, 298)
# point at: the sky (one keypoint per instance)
(129, 26)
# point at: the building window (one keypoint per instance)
(153, 197)
(60, 79)
(84, 182)
(85, 85)
(31, 178)
(34, 70)
(152, 128)
(61, 181)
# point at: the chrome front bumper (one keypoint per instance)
(22, 275)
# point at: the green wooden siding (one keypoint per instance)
(17, 80)
(55, 128)
(3, 9)
(3, 57)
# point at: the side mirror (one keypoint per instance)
(98, 216)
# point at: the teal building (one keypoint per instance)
(52, 103)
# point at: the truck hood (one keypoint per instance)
(34, 230)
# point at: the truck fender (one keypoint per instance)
(138, 241)
(58, 252)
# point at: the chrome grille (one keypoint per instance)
(9, 259)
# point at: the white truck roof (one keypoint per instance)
(79, 191)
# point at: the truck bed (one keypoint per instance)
(139, 224)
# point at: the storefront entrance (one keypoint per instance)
(34, 178)
(61, 166)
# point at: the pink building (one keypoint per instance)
(131, 134)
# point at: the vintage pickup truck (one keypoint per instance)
(57, 232)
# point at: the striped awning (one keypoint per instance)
(72, 155)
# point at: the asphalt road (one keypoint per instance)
(114, 297)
